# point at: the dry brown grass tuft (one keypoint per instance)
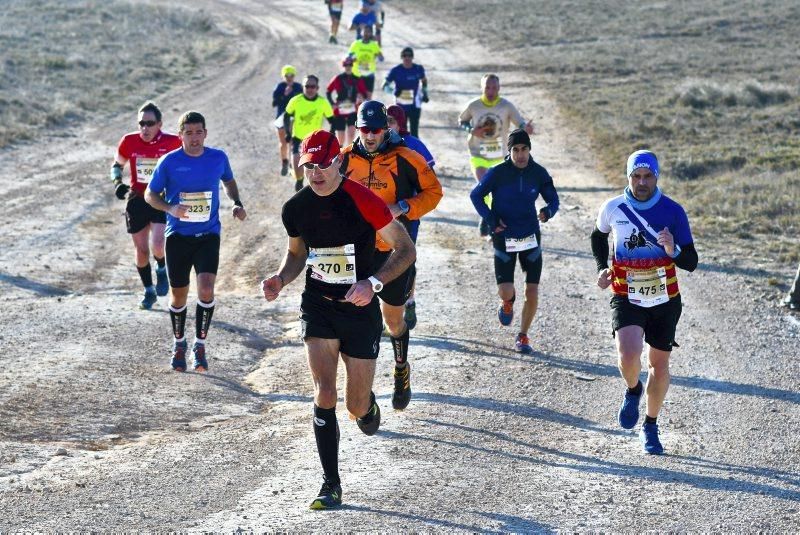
(709, 86)
(64, 62)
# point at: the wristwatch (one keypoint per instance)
(377, 285)
(403, 204)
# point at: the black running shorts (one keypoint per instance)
(139, 214)
(659, 322)
(296, 145)
(185, 252)
(369, 82)
(504, 263)
(358, 329)
(340, 122)
(398, 291)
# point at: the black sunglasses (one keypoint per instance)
(148, 123)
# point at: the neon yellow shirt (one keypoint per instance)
(308, 114)
(365, 55)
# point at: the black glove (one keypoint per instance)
(121, 190)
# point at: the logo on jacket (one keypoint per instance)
(636, 239)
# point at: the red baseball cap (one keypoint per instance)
(319, 147)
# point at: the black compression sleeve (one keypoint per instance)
(687, 258)
(600, 249)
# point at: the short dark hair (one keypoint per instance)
(311, 77)
(191, 117)
(151, 106)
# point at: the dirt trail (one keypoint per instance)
(492, 441)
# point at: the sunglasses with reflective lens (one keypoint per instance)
(309, 86)
(148, 123)
(367, 130)
(311, 166)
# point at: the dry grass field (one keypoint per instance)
(710, 86)
(70, 62)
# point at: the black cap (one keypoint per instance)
(372, 114)
(407, 50)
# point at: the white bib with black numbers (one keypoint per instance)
(516, 245)
(346, 107)
(334, 265)
(492, 150)
(647, 287)
(199, 204)
(144, 169)
(406, 97)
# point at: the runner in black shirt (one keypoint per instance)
(331, 225)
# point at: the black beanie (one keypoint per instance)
(519, 137)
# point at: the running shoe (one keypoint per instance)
(200, 362)
(523, 344)
(179, 356)
(329, 497)
(410, 315)
(162, 282)
(298, 184)
(629, 411)
(284, 167)
(648, 436)
(370, 423)
(402, 387)
(149, 299)
(332, 40)
(505, 313)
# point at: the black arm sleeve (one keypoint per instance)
(600, 249)
(687, 258)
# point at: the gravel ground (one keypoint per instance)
(98, 434)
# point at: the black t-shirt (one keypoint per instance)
(339, 231)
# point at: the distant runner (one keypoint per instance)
(652, 239)
(487, 120)
(281, 95)
(515, 185)
(345, 92)
(365, 52)
(335, 11)
(410, 87)
(306, 111)
(143, 149)
(792, 299)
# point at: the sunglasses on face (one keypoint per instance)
(367, 130)
(406, 56)
(311, 166)
(308, 86)
(148, 123)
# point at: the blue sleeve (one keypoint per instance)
(423, 150)
(421, 72)
(550, 195)
(159, 179)
(682, 234)
(227, 172)
(391, 76)
(481, 190)
(276, 94)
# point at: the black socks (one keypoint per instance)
(203, 319)
(146, 274)
(636, 390)
(178, 317)
(400, 348)
(326, 431)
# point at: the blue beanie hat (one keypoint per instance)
(642, 158)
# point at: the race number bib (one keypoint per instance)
(144, 169)
(334, 265)
(647, 287)
(516, 245)
(199, 204)
(492, 150)
(406, 96)
(363, 67)
(346, 107)
(336, 6)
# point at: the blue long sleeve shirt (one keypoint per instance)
(514, 193)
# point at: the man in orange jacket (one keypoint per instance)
(379, 160)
